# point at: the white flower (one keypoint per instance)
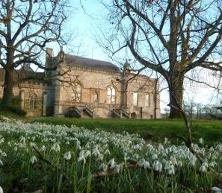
(43, 148)
(143, 163)
(118, 167)
(212, 164)
(107, 152)
(157, 166)
(154, 156)
(216, 190)
(165, 140)
(203, 167)
(193, 160)
(1, 163)
(2, 139)
(83, 155)
(103, 167)
(201, 140)
(169, 167)
(160, 147)
(112, 163)
(67, 155)
(1, 190)
(95, 151)
(33, 159)
(55, 147)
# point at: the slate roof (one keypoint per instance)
(90, 63)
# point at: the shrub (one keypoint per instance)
(14, 107)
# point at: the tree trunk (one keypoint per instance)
(155, 100)
(124, 96)
(8, 88)
(176, 96)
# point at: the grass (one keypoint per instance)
(33, 158)
(155, 130)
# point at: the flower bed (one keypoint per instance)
(73, 159)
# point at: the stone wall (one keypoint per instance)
(94, 83)
(31, 96)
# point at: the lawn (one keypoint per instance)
(155, 130)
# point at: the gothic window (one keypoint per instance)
(76, 92)
(33, 102)
(135, 99)
(147, 100)
(95, 97)
(111, 95)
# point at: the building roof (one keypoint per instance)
(78, 61)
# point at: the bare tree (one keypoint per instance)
(26, 27)
(171, 37)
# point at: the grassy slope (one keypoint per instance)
(211, 131)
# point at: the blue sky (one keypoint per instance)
(83, 24)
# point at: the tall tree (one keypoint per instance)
(26, 27)
(170, 37)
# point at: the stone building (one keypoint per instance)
(84, 87)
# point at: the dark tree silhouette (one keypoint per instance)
(170, 37)
(26, 27)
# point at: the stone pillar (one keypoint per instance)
(22, 97)
(44, 103)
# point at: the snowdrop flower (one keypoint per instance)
(160, 147)
(83, 155)
(203, 167)
(95, 151)
(43, 148)
(67, 155)
(118, 167)
(112, 163)
(212, 164)
(33, 159)
(107, 152)
(32, 144)
(154, 156)
(2, 139)
(216, 190)
(1, 163)
(1, 190)
(193, 160)
(201, 140)
(103, 167)
(143, 163)
(165, 140)
(22, 140)
(169, 167)
(157, 166)
(55, 147)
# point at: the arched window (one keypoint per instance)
(33, 102)
(76, 92)
(95, 97)
(135, 99)
(147, 100)
(111, 95)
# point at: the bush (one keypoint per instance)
(14, 107)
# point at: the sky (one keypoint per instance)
(86, 19)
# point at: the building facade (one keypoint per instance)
(84, 87)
